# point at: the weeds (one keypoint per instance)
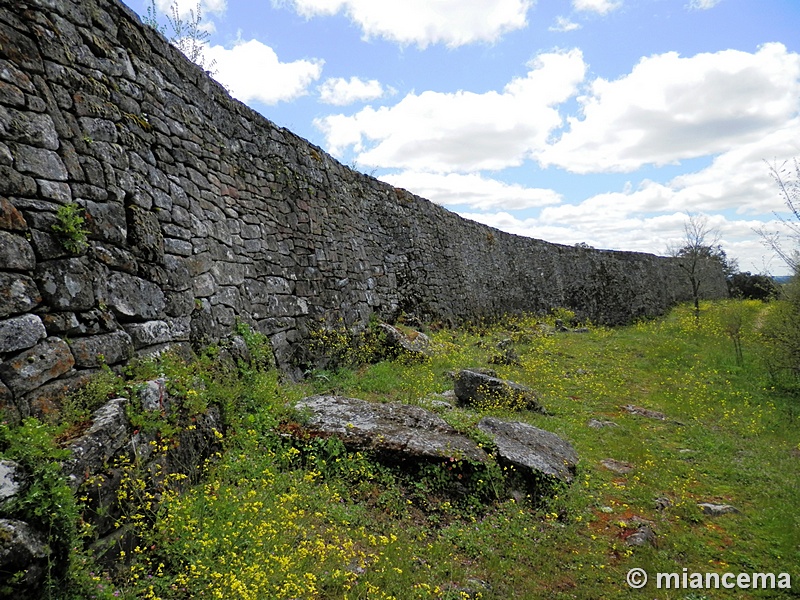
(46, 502)
(277, 516)
(70, 226)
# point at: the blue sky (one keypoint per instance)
(604, 122)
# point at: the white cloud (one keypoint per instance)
(703, 4)
(599, 6)
(671, 108)
(563, 24)
(650, 216)
(424, 22)
(252, 72)
(472, 190)
(340, 92)
(462, 131)
(738, 180)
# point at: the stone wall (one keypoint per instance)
(200, 211)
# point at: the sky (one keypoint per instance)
(600, 122)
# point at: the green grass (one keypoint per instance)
(276, 519)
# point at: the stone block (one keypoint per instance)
(179, 247)
(23, 551)
(18, 294)
(144, 233)
(178, 304)
(287, 306)
(47, 245)
(66, 284)
(16, 253)
(159, 332)
(229, 296)
(61, 323)
(18, 333)
(115, 257)
(132, 297)
(178, 277)
(109, 348)
(12, 479)
(98, 130)
(58, 191)
(36, 366)
(10, 218)
(106, 221)
(474, 388)
(259, 291)
(8, 408)
(40, 162)
(14, 183)
(228, 273)
(29, 128)
(204, 285)
(392, 430)
(107, 435)
(45, 401)
(532, 451)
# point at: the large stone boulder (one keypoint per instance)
(11, 480)
(19, 333)
(474, 388)
(109, 432)
(412, 345)
(23, 558)
(402, 431)
(533, 452)
(36, 366)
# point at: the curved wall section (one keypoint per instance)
(200, 211)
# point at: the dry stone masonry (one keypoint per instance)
(200, 211)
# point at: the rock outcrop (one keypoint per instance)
(475, 388)
(533, 452)
(99, 461)
(403, 433)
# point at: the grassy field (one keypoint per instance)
(279, 519)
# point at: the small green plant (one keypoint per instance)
(334, 346)
(70, 226)
(80, 404)
(258, 345)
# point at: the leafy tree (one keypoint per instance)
(700, 256)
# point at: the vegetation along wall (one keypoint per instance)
(199, 210)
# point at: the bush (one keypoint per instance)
(752, 287)
(781, 331)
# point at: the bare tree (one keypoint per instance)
(789, 187)
(697, 253)
(189, 37)
(781, 328)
